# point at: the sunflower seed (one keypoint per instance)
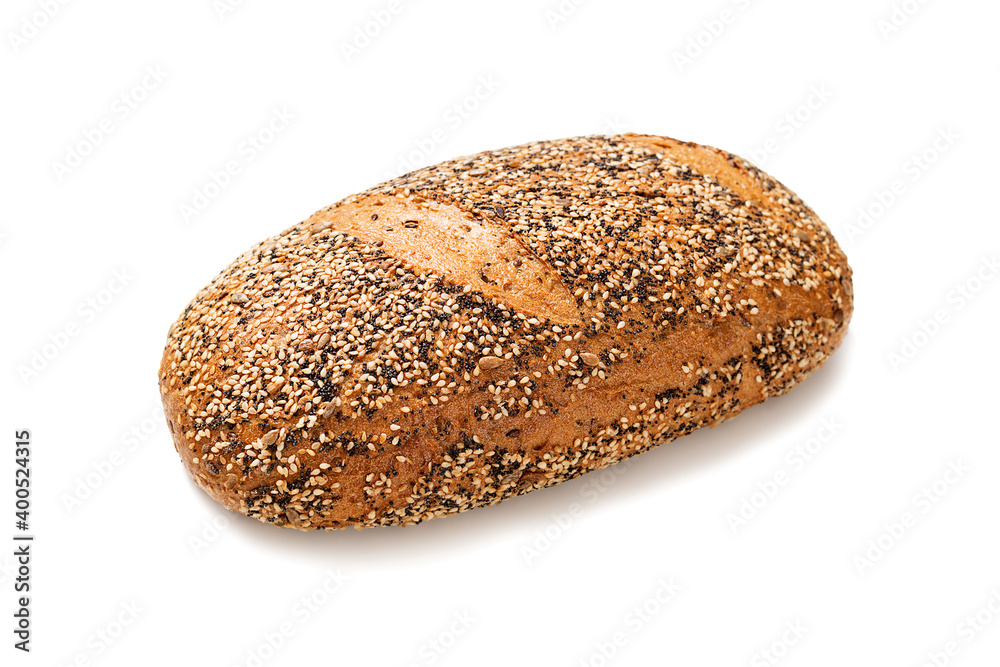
(488, 363)
(320, 226)
(512, 477)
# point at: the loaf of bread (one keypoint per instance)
(496, 324)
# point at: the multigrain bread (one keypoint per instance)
(497, 324)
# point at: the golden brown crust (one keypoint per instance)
(462, 248)
(495, 324)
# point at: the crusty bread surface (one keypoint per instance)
(497, 324)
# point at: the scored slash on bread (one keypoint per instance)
(496, 324)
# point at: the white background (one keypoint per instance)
(102, 246)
